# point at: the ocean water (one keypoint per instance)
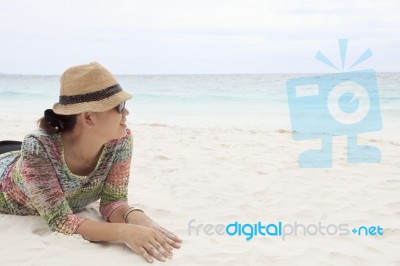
(252, 100)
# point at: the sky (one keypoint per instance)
(197, 37)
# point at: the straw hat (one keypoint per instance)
(88, 88)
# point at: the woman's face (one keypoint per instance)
(110, 124)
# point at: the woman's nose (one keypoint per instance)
(125, 112)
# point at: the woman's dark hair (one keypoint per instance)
(53, 123)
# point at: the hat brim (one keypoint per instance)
(94, 106)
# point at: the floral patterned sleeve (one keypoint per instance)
(43, 187)
(115, 190)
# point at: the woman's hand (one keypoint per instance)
(147, 242)
(140, 218)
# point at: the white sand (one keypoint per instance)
(220, 175)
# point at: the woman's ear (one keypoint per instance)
(88, 119)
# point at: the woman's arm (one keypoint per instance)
(147, 242)
(117, 215)
(115, 189)
(114, 203)
(42, 187)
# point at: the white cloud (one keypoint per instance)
(206, 36)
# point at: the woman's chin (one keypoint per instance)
(122, 131)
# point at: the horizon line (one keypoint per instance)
(183, 74)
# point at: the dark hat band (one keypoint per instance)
(92, 96)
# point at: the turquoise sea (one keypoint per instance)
(255, 100)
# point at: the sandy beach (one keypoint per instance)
(220, 90)
(218, 175)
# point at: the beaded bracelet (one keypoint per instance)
(128, 211)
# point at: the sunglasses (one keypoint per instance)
(120, 107)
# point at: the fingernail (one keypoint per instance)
(169, 256)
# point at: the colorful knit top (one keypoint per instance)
(36, 180)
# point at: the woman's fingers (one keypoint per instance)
(153, 251)
(162, 247)
(171, 242)
(164, 243)
(167, 233)
(171, 235)
(143, 252)
(168, 242)
(174, 240)
(151, 243)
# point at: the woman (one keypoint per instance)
(81, 153)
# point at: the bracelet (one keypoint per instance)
(128, 211)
